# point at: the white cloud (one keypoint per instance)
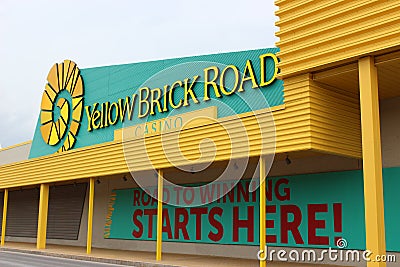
(37, 34)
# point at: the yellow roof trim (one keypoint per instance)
(16, 145)
(113, 142)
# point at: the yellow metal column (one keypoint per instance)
(90, 217)
(372, 160)
(263, 177)
(4, 222)
(42, 221)
(159, 215)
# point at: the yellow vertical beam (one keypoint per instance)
(372, 159)
(42, 220)
(4, 221)
(90, 217)
(263, 177)
(159, 215)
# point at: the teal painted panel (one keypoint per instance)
(391, 191)
(110, 83)
(310, 210)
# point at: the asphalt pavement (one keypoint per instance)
(17, 259)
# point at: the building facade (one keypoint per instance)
(294, 147)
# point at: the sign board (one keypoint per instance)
(85, 107)
(311, 210)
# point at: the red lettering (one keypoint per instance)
(137, 213)
(145, 202)
(337, 217)
(136, 197)
(206, 194)
(167, 227)
(249, 224)
(166, 195)
(286, 190)
(198, 212)
(268, 189)
(293, 226)
(216, 224)
(314, 224)
(181, 225)
(177, 189)
(227, 191)
(242, 192)
(187, 200)
(270, 224)
(154, 201)
(218, 193)
(150, 213)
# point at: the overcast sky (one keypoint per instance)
(36, 34)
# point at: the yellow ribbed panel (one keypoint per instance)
(312, 118)
(292, 134)
(317, 33)
(335, 121)
(333, 115)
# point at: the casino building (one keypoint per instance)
(294, 147)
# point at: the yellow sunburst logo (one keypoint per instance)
(64, 76)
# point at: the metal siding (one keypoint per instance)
(65, 211)
(22, 213)
(304, 122)
(316, 33)
(346, 76)
(333, 115)
(312, 118)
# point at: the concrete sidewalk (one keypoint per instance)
(140, 259)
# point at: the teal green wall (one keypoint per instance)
(110, 83)
(345, 188)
